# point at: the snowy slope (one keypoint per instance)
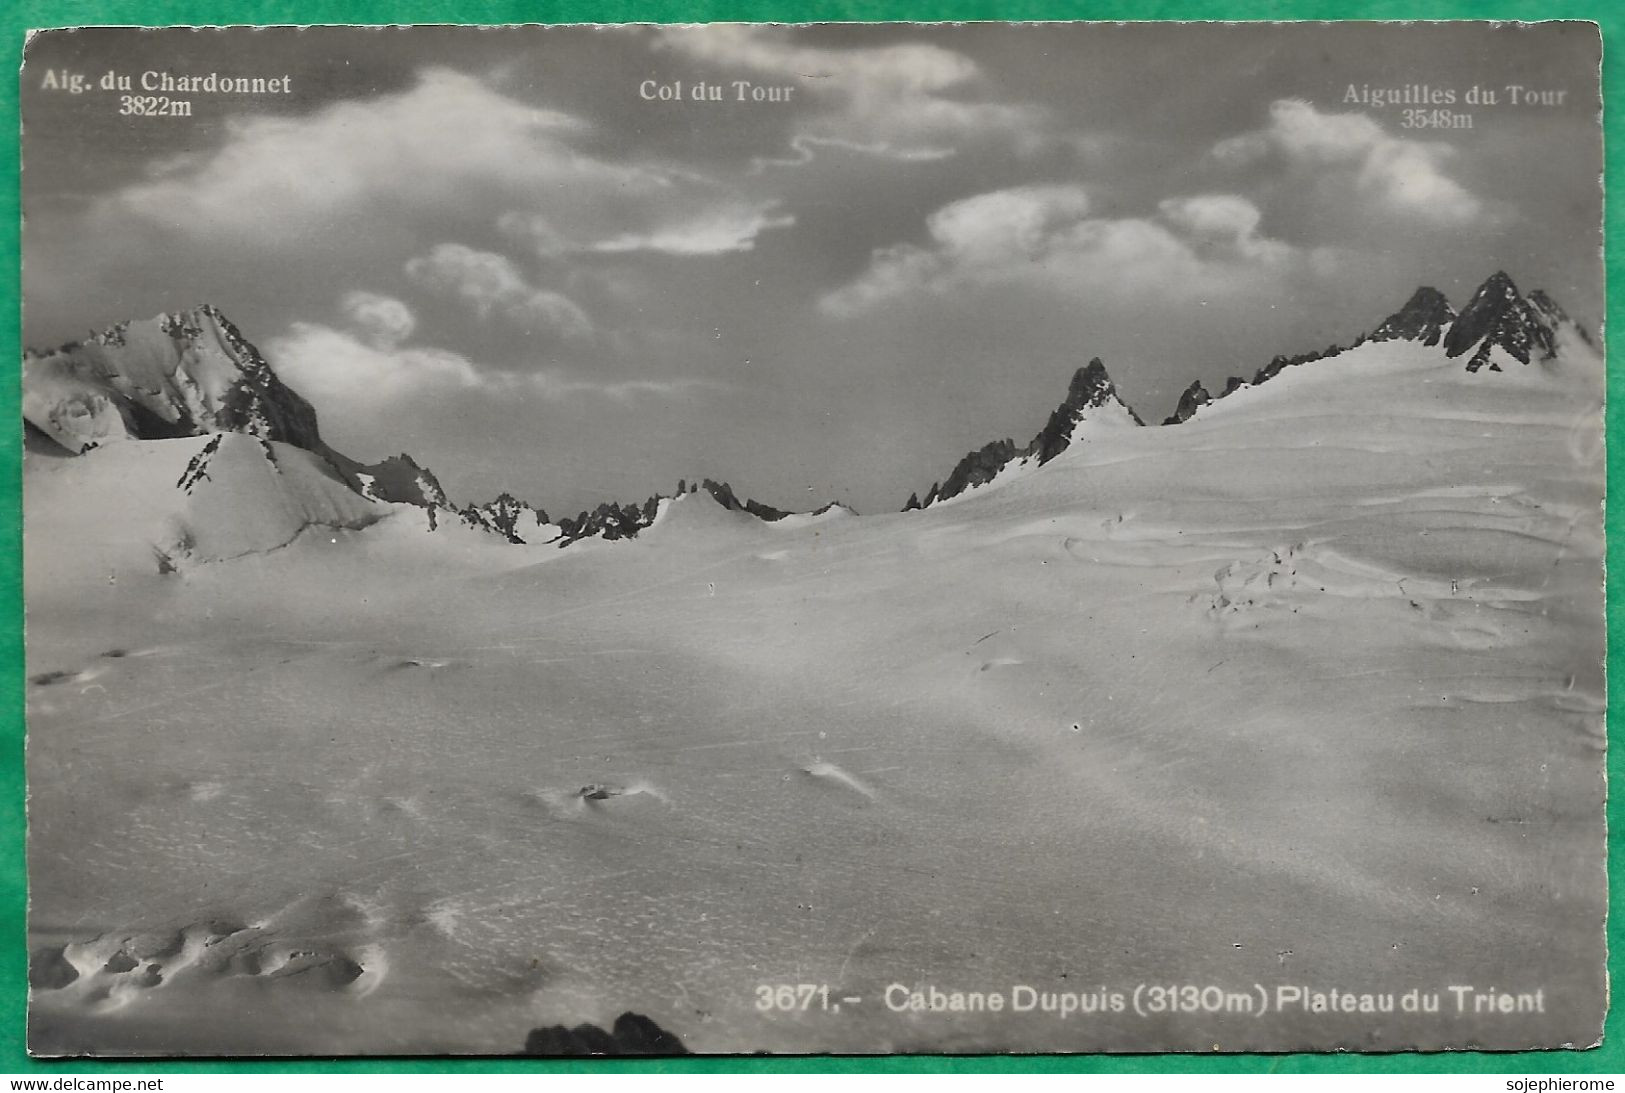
(1306, 689)
(171, 502)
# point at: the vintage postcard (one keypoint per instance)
(830, 538)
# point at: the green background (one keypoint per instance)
(17, 17)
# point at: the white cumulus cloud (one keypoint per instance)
(279, 180)
(718, 230)
(383, 321)
(1223, 221)
(691, 223)
(447, 144)
(336, 368)
(1357, 157)
(908, 100)
(1045, 237)
(492, 285)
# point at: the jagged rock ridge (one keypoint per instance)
(1497, 317)
(515, 520)
(611, 520)
(1280, 364)
(724, 495)
(192, 373)
(615, 520)
(976, 469)
(1091, 393)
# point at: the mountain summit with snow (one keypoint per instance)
(1091, 402)
(1091, 389)
(1498, 317)
(188, 373)
(192, 374)
(1424, 318)
(1498, 326)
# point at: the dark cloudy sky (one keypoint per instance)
(487, 248)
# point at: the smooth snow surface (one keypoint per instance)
(1306, 690)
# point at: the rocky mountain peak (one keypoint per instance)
(191, 373)
(1424, 318)
(1090, 393)
(1091, 388)
(1498, 316)
(186, 373)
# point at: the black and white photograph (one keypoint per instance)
(799, 539)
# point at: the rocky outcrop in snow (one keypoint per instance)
(1279, 364)
(515, 520)
(725, 497)
(1091, 389)
(614, 520)
(1090, 396)
(400, 479)
(1498, 317)
(976, 469)
(1194, 398)
(1424, 318)
(611, 520)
